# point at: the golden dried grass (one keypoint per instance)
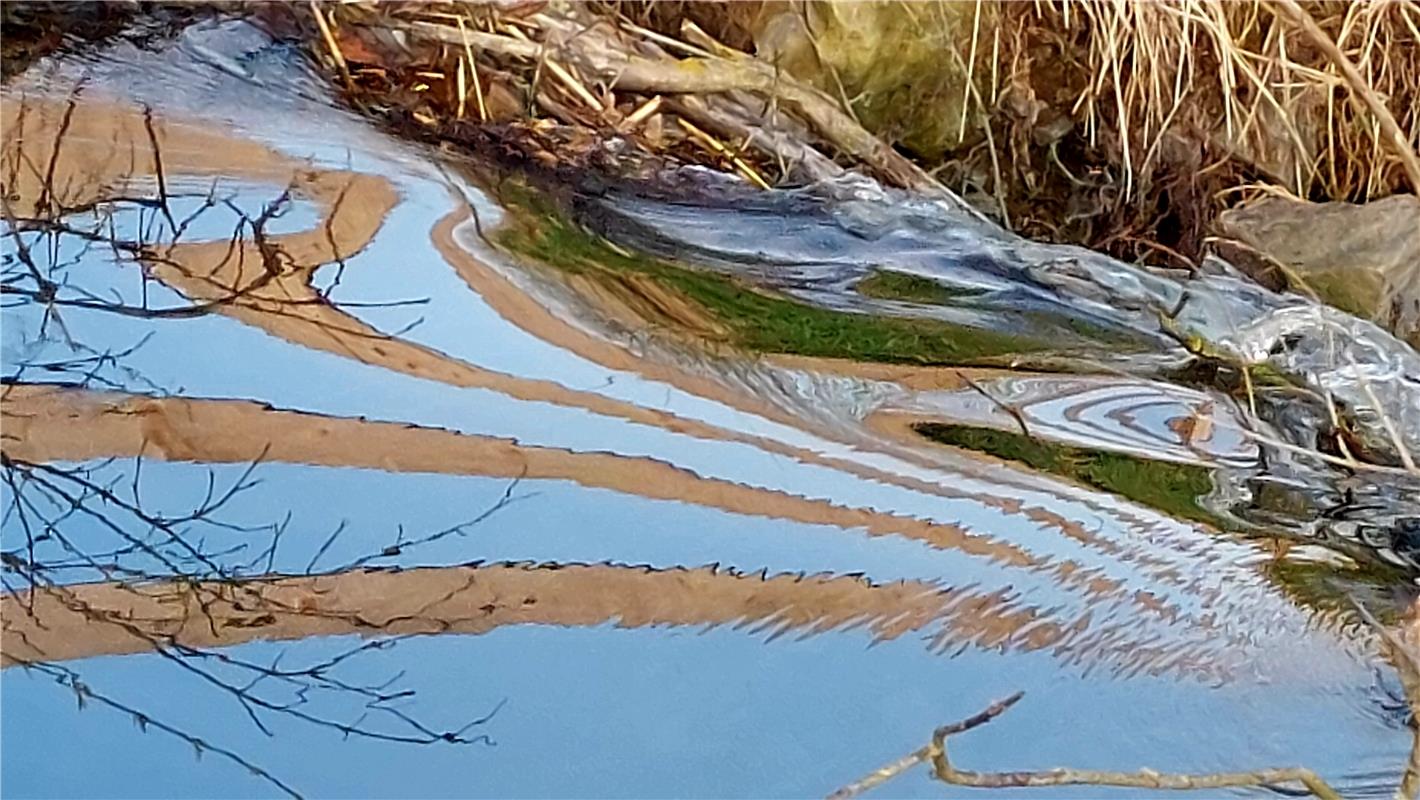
(1243, 74)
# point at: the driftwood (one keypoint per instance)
(729, 119)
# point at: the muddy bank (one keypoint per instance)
(1132, 148)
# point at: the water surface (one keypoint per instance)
(323, 413)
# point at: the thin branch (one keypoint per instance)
(943, 769)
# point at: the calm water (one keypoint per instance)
(642, 565)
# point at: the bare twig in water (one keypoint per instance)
(68, 523)
(943, 769)
(889, 771)
(84, 693)
(999, 403)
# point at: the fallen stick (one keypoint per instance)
(448, 34)
(720, 149)
(887, 772)
(936, 752)
(334, 46)
(720, 113)
(703, 75)
(473, 66)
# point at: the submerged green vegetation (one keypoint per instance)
(887, 284)
(757, 320)
(890, 284)
(1174, 489)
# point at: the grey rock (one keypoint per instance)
(1364, 259)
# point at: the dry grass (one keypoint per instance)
(1242, 73)
(1203, 102)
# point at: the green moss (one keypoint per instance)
(1174, 489)
(757, 320)
(1227, 376)
(887, 284)
(1265, 375)
(771, 324)
(1356, 291)
(1120, 341)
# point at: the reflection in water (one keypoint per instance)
(63, 425)
(1158, 421)
(52, 424)
(305, 308)
(85, 620)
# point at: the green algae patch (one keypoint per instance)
(887, 284)
(777, 325)
(903, 68)
(1174, 489)
(756, 320)
(1118, 340)
(890, 284)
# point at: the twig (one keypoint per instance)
(575, 86)
(942, 768)
(1143, 779)
(641, 114)
(463, 90)
(158, 172)
(708, 75)
(1351, 464)
(85, 693)
(717, 146)
(473, 67)
(334, 46)
(448, 34)
(729, 119)
(999, 403)
(889, 771)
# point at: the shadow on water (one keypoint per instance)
(294, 456)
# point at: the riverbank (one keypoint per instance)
(294, 408)
(1128, 130)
